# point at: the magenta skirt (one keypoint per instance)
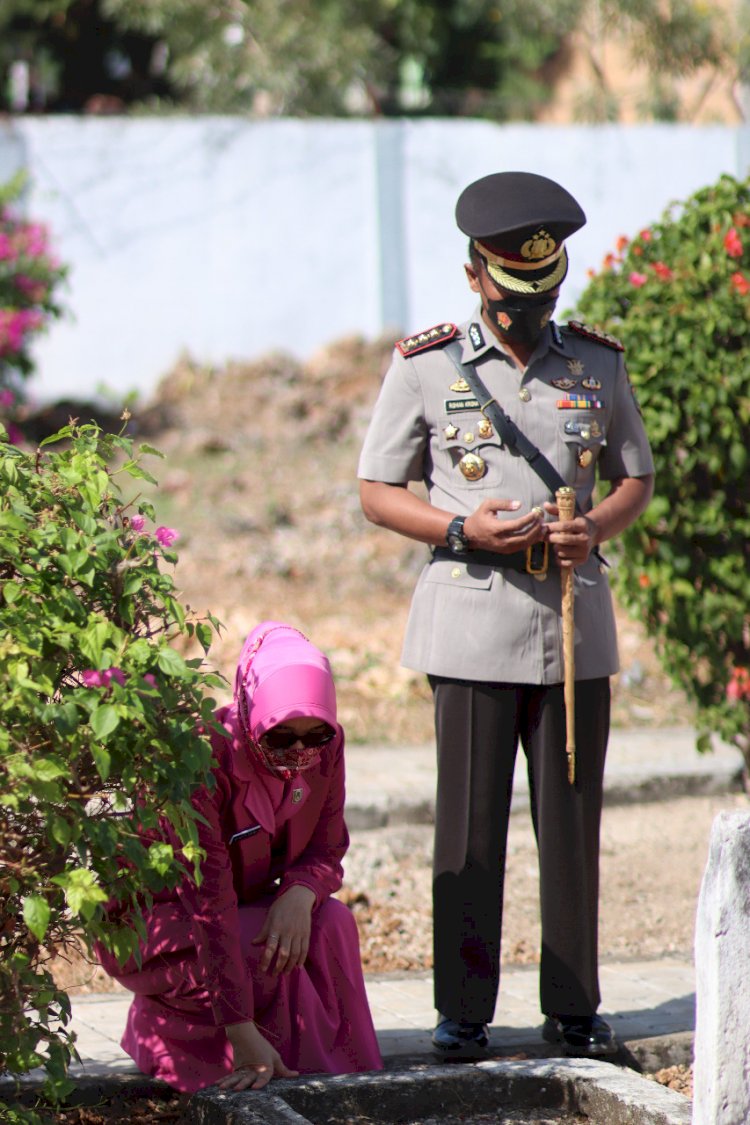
(317, 1017)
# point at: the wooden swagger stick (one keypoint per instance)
(566, 506)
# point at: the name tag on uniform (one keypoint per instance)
(456, 405)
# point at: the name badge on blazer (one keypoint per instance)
(243, 835)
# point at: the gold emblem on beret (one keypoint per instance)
(472, 466)
(540, 245)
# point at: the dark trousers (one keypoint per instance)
(479, 726)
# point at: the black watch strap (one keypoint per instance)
(455, 536)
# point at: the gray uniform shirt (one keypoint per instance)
(482, 623)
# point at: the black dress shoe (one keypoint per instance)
(459, 1039)
(586, 1037)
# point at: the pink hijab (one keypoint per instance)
(282, 676)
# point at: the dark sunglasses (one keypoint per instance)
(278, 739)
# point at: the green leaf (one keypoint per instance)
(171, 662)
(102, 761)
(36, 915)
(82, 891)
(104, 720)
(11, 591)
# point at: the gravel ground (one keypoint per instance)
(653, 857)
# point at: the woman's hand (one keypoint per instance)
(256, 1062)
(286, 930)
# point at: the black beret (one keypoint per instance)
(519, 221)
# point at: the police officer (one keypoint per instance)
(485, 620)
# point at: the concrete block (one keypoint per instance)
(722, 956)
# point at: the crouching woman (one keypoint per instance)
(256, 973)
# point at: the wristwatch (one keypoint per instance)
(455, 537)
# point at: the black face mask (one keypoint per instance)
(522, 319)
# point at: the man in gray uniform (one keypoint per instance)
(553, 405)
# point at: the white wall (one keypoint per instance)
(227, 238)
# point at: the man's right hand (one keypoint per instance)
(488, 532)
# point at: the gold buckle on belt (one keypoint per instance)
(539, 571)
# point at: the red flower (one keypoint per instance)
(663, 271)
(733, 243)
(740, 284)
(646, 235)
(621, 243)
(739, 685)
(609, 261)
(644, 581)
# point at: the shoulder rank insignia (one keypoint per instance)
(594, 334)
(440, 334)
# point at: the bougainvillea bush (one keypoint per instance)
(103, 722)
(30, 279)
(678, 295)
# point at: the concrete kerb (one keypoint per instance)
(604, 1092)
(389, 785)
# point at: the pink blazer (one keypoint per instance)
(252, 849)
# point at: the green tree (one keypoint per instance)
(678, 293)
(103, 724)
(671, 41)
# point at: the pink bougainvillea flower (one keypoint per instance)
(740, 283)
(646, 235)
(663, 271)
(166, 536)
(137, 522)
(7, 398)
(150, 679)
(110, 674)
(92, 678)
(7, 249)
(15, 437)
(637, 279)
(733, 243)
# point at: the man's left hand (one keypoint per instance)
(572, 540)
